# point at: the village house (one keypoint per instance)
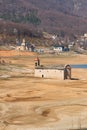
(60, 48)
(60, 72)
(21, 46)
(24, 46)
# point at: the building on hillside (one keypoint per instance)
(21, 46)
(18, 44)
(58, 48)
(85, 35)
(24, 46)
(60, 72)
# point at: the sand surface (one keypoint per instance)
(30, 103)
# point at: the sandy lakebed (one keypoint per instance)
(30, 103)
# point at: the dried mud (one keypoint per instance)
(30, 103)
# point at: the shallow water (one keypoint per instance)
(83, 66)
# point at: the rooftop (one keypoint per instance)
(57, 67)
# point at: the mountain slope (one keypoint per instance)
(55, 16)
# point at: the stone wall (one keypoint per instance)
(49, 73)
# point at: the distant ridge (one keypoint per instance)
(63, 17)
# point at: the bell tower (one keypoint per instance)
(37, 62)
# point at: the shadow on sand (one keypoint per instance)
(74, 79)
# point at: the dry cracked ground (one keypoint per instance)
(30, 103)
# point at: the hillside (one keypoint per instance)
(62, 17)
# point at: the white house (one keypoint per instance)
(58, 48)
(21, 46)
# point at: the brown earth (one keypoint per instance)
(30, 103)
(15, 53)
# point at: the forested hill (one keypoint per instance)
(63, 17)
